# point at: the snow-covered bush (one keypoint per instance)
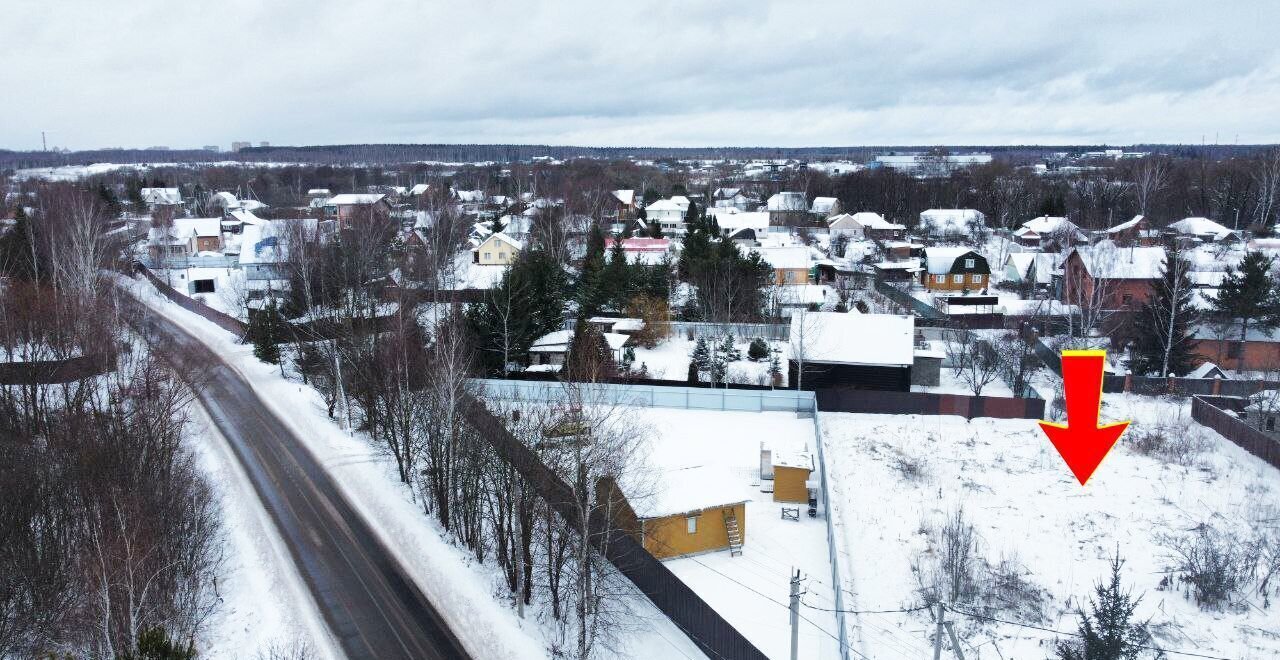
(1216, 567)
(1179, 441)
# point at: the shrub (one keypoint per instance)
(758, 350)
(1216, 567)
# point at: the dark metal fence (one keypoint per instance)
(1258, 443)
(229, 323)
(53, 372)
(926, 403)
(905, 299)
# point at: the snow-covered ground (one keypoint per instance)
(895, 475)
(264, 602)
(470, 596)
(669, 360)
(750, 590)
(950, 383)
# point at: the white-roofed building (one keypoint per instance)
(351, 208)
(1047, 232)
(497, 249)
(865, 225)
(791, 265)
(669, 214)
(1111, 277)
(825, 207)
(1204, 229)
(954, 269)
(951, 224)
(158, 197)
(861, 351)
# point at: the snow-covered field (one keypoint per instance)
(750, 590)
(895, 475)
(470, 596)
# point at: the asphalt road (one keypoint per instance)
(371, 606)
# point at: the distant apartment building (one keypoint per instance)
(924, 164)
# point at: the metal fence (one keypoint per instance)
(906, 300)
(774, 331)
(53, 372)
(1256, 442)
(225, 321)
(650, 396)
(927, 403)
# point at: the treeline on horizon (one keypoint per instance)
(388, 154)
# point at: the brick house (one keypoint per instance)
(1110, 277)
(1221, 343)
(350, 208)
(954, 269)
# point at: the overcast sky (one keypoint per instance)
(187, 73)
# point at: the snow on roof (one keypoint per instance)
(161, 196)
(200, 227)
(552, 342)
(1107, 261)
(627, 197)
(725, 193)
(673, 204)
(939, 260)
(646, 244)
(247, 217)
(616, 340)
(419, 189)
(793, 459)
(730, 219)
(1200, 227)
(1124, 226)
(506, 239)
(1046, 224)
(1205, 370)
(690, 490)
(318, 192)
(781, 257)
(1021, 261)
(906, 264)
(787, 201)
(846, 338)
(951, 221)
(347, 199)
(468, 195)
(824, 204)
(623, 323)
(223, 199)
(874, 221)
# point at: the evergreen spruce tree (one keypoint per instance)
(730, 352)
(592, 289)
(775, 369)
(154, 644)
(693, 372)
(692, 219)
(701, 355)
(266, 331)
(616, 278)
(590, 359)
(1248, 295)
(1163, 341)
(526, 304)
(758, 350)
(1107, 631)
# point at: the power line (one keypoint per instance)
(1071, 634)
(823, 609)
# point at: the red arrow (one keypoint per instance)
(1081, 441)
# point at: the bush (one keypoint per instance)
(1177, 442)
(758, 350)
(1215, 567)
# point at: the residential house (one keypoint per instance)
(1223, 344)
(1135, 232)
(691, 510)
(954, 269)
(788, 209)
(1108, 277)
(497, 249)
(669, 214)
(951, 224)
(649, 251)
(732, 198)
(1202, 229)
(156, 198)
(551, 349)
(852, 350)
(730, 220)
(1049, 233)
(825, 207)
(905, 270)
(791, 265)
(350, 208)
(1030, 270)
(865, 225)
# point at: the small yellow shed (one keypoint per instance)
(691, 511)
(791, 470)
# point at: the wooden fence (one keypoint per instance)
(1208, 411)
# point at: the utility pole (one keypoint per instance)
(795, 615)
(44, 143)
(955, 641)
(937, 635)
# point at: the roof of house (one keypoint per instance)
(1107, 261)
(1125, 226)
(1206, 370)
(792, 459)
(672, 204)
(905, 264)
(347, 199)
(419, 188)
(951, 221)
(223, 199)
(505, 239)
(940, 260)
(824, 204)
(725, 193)
(849, 338)
(318, 192)
(627, 197)
(689, 490)
(1199, 227)
(874, 221)
(639, 244)
(558, 341)
(781, 257)
(1046, 224)
(787, 201)
(731, 219)
(161, 196)
(199, 227)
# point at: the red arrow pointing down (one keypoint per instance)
(1081, 441)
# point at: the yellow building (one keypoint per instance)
(497, 250)
(689, 511)
(791, 472)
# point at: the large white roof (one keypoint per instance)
(1107, 261)
(782, 257)
(1047, 224)
(939, 260)
(355, 198)
(688, 490)
(1199, 227)
(731, 219)
(849, 338)
(874, 221)
(787, 201)
(824, 204)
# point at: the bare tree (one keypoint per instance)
(1149, 179)
(976, 364)
(1266, 176)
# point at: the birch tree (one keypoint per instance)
(1164, 341)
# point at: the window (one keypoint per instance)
(958, 279)
(1126, 298)
(488, 255)
(502, 255)
(691, 524)
(202, 286)
(939, 279)
(1271, 423)
(968, 263)
(1234, 350)
(790, 276)
(976, 279)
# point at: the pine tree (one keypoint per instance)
(729, 351)
(266, 332)
(693, 372)
(1248, 295)
(154, 644)
(775, 369)
(757, 350)
(1107, 632)
(701, 355)
(1163, 341)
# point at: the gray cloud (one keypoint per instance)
(294, 72)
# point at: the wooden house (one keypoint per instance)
(954, 269)
(690, 511)
(855, 351)
(497, 249)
